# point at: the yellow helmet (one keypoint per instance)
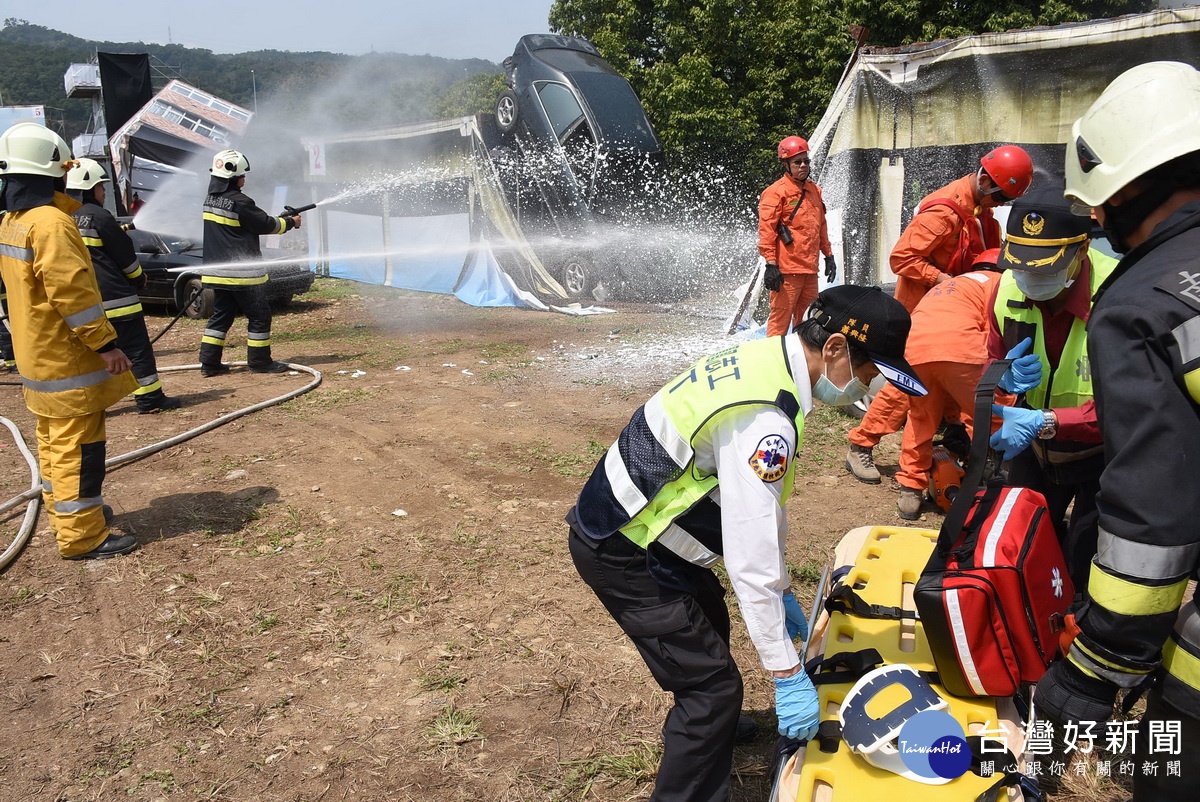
(31, 149)
(86, 175)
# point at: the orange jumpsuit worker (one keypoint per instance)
(791, 234)
(952, 226)
(948, 348)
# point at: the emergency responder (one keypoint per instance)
(1134, 159)
(1046, 298)
(702, 471)
(791, 235)
(71, 368)
(232, 225)
(948, 348)
(117, 271)
(952, 226)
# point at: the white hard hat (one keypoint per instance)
(872, 734)
(229, 164)
(31, 149)
(1148, 115)
(87, 174)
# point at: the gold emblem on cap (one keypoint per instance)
(1033, 223)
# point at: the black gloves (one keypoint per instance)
(830, 268)
(772, 278)
(1067, 694)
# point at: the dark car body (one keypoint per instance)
(172, 266)
(580, 161)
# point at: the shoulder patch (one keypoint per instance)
(1184, 285)
(770, 460)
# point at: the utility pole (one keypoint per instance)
(254, 85)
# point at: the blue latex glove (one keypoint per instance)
(1018, 429)
(1025, 372)
(796, 707)
(796, 622)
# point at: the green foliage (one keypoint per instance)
(472, 95)
(725, 80)
(315, 87)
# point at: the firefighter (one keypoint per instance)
(8, 362)
(702, 472)
(1051, 439)
(952, 226)
(232, 226)
(117, 272)
(948, 348)
(71, 368)
(792, 233)
(1133, 159)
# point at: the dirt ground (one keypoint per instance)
(365, 593)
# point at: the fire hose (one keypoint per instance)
(33, 495)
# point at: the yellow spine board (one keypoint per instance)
(884, 573)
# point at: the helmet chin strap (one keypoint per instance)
(1121, 221)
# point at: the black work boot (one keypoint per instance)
(115, 544)
(157, 401)
(270, 367)
(219, 369)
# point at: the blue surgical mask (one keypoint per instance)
(829, 393)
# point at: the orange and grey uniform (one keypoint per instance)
(232, 226)
(799, 261)
(947, 346)
(930, 245)
(58, 328)
(116, 265)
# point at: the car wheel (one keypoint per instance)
(506, 111)
(578, 276)
(199, 300)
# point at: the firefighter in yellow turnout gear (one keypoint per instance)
(71, 369)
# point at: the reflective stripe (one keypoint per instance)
(24, 254)
(92, 242)
(90, 232)
(962, 646)
(282, 225)
(996, 531)
(221, 218)
(1187, 335)
(149, 384)
(1093, 665)
(117, 303)
(1143, 560)
(664, 431)
(89, 315)
(1181, 664)
(1191, 380)
(72, 383)
(687, 547)
(47, 487)
(125, 311)
(217, 341)
(258, 339)
(623, 488)
(215, 333)
(80, 505)
(1123, 597)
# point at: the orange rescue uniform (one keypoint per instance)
(799, 261)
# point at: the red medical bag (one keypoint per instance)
(994, 594)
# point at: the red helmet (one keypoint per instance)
(988, 258)
(792, 146)
(1010, 168)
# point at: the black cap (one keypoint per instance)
(1042, 235)
(876, 323)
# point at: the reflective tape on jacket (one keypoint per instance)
(647, 479)
(123, 307)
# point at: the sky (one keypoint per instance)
(447, 28)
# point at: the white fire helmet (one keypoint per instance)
(31, 149)
(229, 164)
(86, 175)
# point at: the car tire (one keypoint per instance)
(507, 113)
(577, 276)
(201, 307)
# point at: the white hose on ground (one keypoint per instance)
(34, 494)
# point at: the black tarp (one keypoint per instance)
(125, 82)
(159, 146)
